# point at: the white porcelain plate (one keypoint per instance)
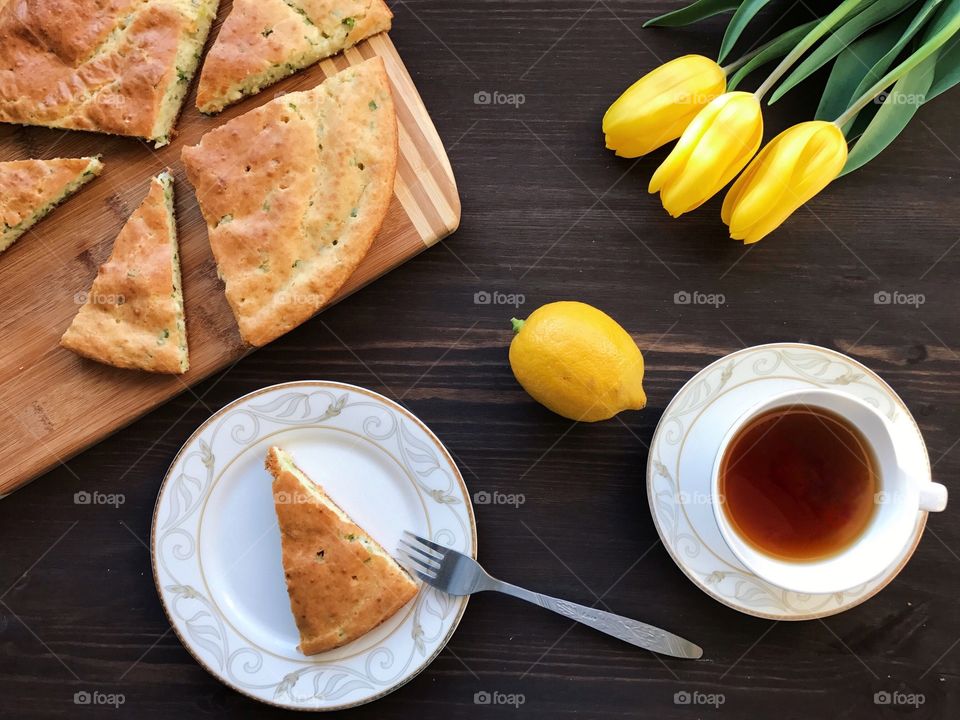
(216, 545)
(688, 438)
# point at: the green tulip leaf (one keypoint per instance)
(858, 67)
(738, 23)
(694, 12)
(946, 14)
(877, 12)
(897, 110)
(854, 129)
(938, 38)
(948, 72)
(839, 15)
(948, 69)
(773, 50)
(883, 64)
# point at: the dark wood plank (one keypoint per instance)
(891, 226)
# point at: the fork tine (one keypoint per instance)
(428, 579)
(438, 550)
(413, 564)
(425, 546)
(415, 560)
(419, 555)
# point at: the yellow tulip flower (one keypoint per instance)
(793, 167)
(658, 107)
(711, 151)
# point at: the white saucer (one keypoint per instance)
(686, 442)
(216, 546)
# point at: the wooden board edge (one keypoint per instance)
(434, 183)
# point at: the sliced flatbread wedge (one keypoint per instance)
(133, 314)
(341, 581)
(29, 189)
(263, 41)
(294, 192)
(113, 66)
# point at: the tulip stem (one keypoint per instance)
(768, 52)
(842, 11)
(922, 53)
(737, 64)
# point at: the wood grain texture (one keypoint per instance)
(48, 393)
(532, 226)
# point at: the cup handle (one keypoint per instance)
(933, 497)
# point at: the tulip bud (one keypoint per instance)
(793, 167)
(711, 151)
(658, 107)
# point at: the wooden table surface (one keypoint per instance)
(548, 214)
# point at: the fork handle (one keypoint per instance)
(623, 628)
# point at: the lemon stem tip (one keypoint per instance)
(517, 324)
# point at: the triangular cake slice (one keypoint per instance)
(29, 189)
(341, 581)
(133, 315)
(294, 192)
(112, 66)
(263, 41)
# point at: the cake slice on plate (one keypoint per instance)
(263, 41)
(294, 192)
(133, 315)
(29, 189)
(341, 581)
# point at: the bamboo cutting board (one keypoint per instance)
(54, 404)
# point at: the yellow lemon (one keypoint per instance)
(577, 361)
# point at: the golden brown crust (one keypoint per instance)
(29, 186)
(72, 30)
(341, 582)
(133, 315)
(80, 64)
(294, 193)
(262, 41)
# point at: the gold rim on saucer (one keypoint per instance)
(681, 457)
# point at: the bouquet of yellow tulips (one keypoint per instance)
(906, 49)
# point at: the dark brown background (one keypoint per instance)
(549, 214)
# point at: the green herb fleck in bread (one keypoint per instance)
(294, 192)
(263, 41)
(133, 315)
(114, 66)
(29, 189)
(341, 581)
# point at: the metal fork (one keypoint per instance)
(458, 574)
